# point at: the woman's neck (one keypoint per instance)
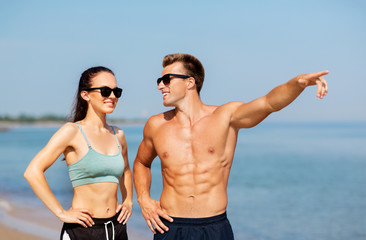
(96, 120)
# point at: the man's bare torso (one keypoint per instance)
(195, 161)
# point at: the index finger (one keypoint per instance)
(86, 211)
(317, 74)
(159, 225)
(119, 207)
(127, 217)
(165, 216)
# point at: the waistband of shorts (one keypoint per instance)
(102, 221)
(196, 221)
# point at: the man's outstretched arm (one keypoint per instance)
(150, 208)
(246, 115)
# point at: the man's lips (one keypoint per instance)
(165, 94)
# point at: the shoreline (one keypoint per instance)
(12, 234)
(26, 222)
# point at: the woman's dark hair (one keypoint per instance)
(80, 106)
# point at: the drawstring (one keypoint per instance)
(106, 229)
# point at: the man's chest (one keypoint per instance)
(190, 142)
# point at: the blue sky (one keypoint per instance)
(247, 48)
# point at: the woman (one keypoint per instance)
(96, 155)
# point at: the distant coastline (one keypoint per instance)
(8, 122)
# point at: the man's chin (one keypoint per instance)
(167, 104)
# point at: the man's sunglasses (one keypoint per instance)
(167, 77)
(106, 91)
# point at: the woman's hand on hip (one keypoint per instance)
(77, 215)
(125, 210)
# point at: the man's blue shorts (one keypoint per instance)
(210, 228)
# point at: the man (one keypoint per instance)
(195, 143)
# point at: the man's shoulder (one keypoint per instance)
(228, 106)
(160, 118)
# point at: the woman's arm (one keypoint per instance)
(125, 182)
(35, 176)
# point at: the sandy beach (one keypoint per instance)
(22, 222)
(13, 234)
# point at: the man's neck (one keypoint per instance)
(190, 111)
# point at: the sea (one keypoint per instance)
(289, 181)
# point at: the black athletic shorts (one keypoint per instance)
(211, 228)
(103, 229)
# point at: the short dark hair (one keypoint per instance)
(192, 65)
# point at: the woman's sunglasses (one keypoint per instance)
(106, 91)
(167, 77)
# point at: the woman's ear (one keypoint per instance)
(84, 95)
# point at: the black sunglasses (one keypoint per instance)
(106, 91)
(167, 77)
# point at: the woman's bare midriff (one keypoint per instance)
(98, 198)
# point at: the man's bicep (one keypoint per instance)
(146, 152)
(247, 115)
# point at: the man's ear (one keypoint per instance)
(191, 83)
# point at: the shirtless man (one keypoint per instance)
(195, 143)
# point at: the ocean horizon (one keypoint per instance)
(289, 181)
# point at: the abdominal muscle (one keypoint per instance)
(99, 198)
(194, 194)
